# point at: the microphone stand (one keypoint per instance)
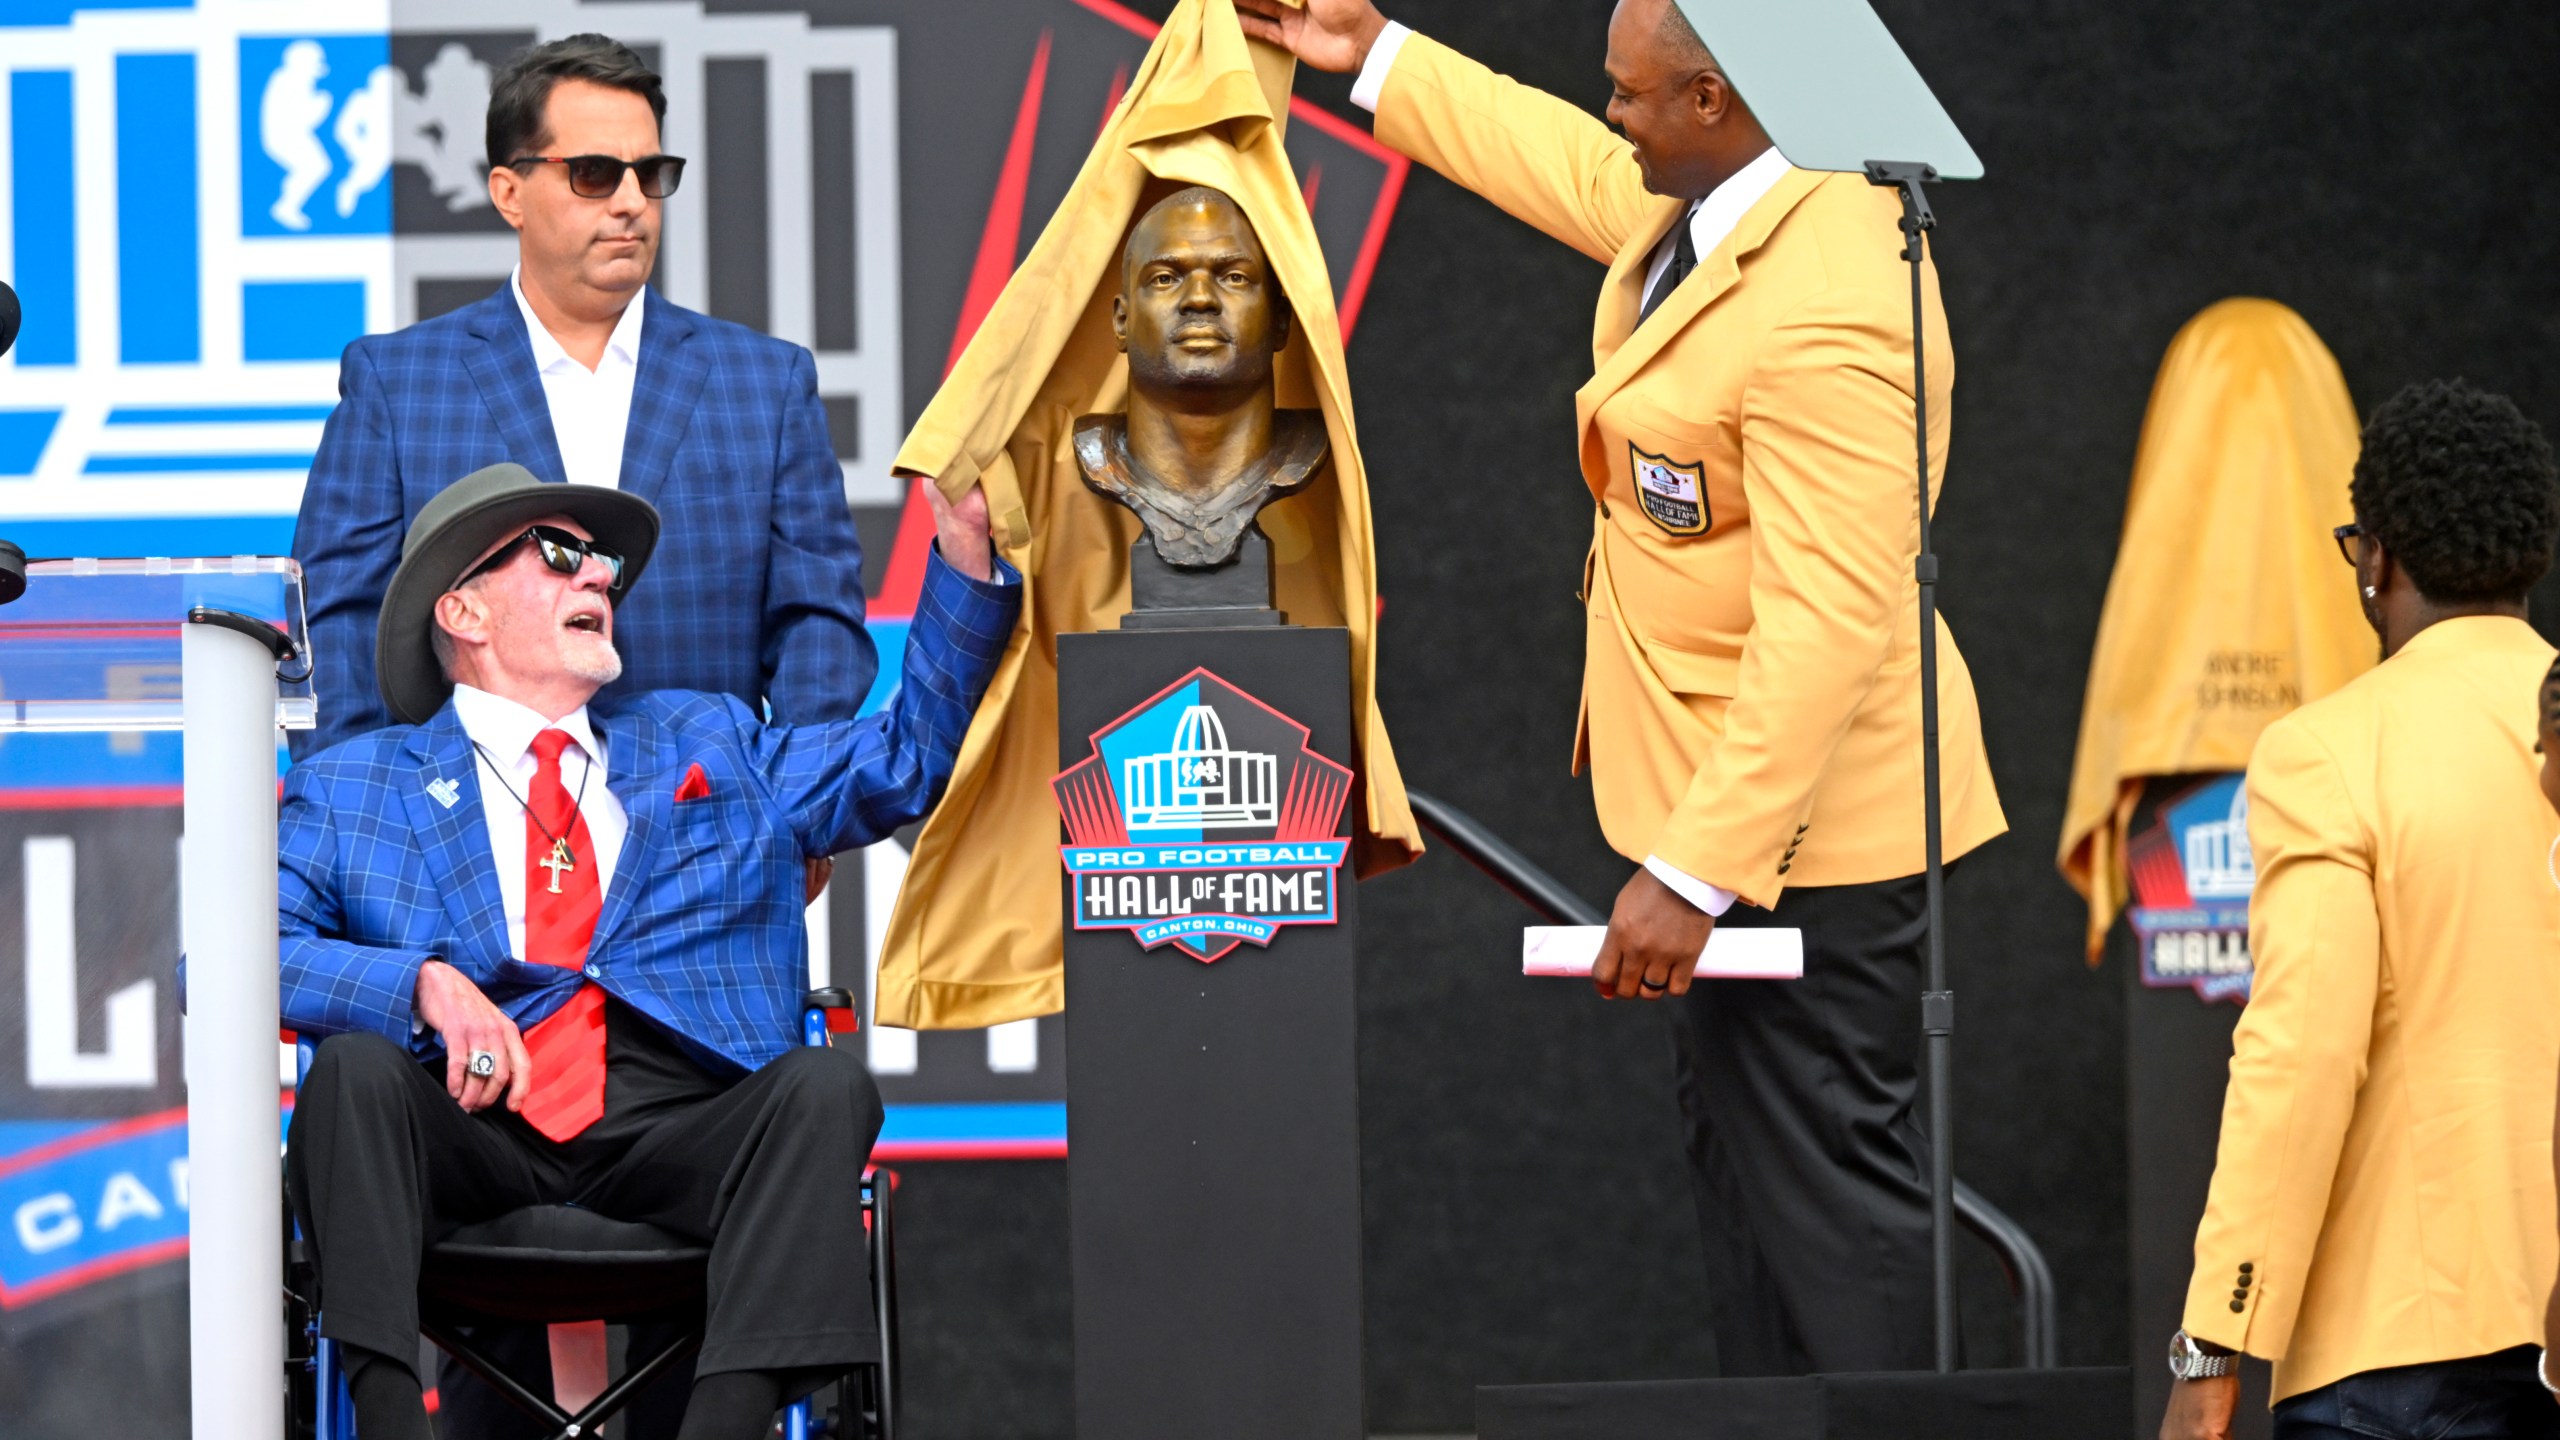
(1937, 1002)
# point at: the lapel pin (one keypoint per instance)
(445, 791)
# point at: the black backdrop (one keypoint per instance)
(2382, 168)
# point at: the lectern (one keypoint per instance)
(96, 645)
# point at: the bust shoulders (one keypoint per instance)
(1199, 530)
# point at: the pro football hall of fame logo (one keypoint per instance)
(1203, 820)
(2192, 878)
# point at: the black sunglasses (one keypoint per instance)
(596, 177)
(2346, 536)
(560, 550)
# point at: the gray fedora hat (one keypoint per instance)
(465, 519)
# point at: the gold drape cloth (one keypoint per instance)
(976, 937)
(2230, 606)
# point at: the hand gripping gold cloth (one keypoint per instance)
(2230, 606)
(976, 936)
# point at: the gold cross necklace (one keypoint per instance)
(561, 859)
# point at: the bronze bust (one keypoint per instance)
(1204, 446)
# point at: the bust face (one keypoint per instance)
(1199, 313)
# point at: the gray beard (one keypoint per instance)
(596, 671)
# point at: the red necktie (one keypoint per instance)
(562, 897)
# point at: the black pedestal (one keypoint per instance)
(1968, 1405)
(2177, 1059)
(1213, 1118)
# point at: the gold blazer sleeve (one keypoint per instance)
(2300, 1053)
(1826, 467)
(1542, 160)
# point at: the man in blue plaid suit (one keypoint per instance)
(578, 371)
(470, 1007)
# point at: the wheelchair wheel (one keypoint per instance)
(856, 1413)
(301, 1334)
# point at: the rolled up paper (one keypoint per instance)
(1739, 953)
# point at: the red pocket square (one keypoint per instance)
(696, 786)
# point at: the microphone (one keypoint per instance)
(8, 317)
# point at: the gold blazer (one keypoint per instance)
(1750, 702)
(2383, 1193)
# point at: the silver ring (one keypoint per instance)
(483, 1064)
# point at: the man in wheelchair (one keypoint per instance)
(557, 949)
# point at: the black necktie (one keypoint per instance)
(1684, 258)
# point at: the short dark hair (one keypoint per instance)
(1679, 40)
(2460, 487)
(522, 90)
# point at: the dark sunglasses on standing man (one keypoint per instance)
(596, 177)
(560, 550)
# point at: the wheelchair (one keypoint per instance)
(549, 1264)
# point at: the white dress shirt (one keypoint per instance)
(590, 409)
(506, 730)
(1710, 221)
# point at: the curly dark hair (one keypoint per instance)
(522, 91)
(2461, 489)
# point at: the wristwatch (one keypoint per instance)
(2188, 1362)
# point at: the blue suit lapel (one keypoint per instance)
(453, 840)
(502, 364)
(638, 753)
(673, 365)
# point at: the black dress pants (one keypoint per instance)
(765, 1169)
(1811, 1172)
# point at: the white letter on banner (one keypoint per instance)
(125, 1198)
(818, 923)
(47, 1223)
(884, 869)
(54, 1061)
(1013, 1048)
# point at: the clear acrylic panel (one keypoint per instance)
(1827, 81)
(93, 644)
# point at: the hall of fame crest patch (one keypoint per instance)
(1674, 495)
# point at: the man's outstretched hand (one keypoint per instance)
(450, 1005)
(1328, 34)
(1654, 941)
(961, 531)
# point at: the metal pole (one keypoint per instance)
(235, 1183)
(1937, 1002)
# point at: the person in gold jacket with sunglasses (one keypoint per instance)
(1751, 691)
(2381, 1222)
